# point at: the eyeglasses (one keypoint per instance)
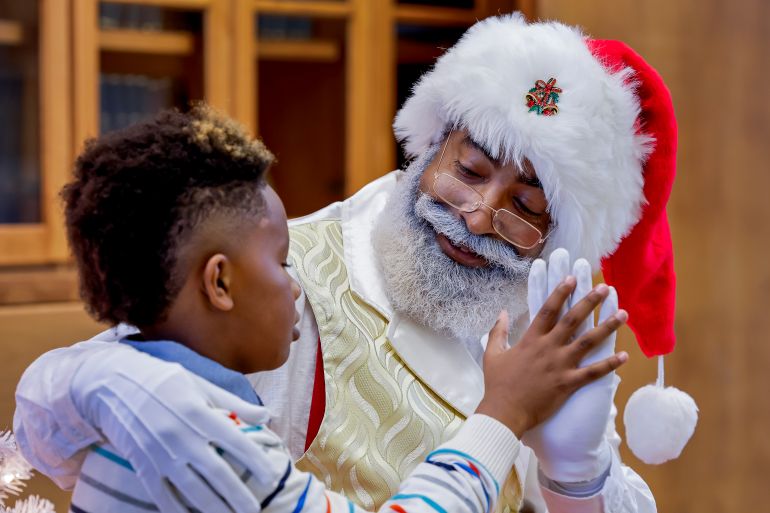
(465, 198)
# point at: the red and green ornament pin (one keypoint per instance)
(543, 98)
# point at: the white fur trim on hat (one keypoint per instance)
(589, 156)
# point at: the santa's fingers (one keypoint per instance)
(582, 272)
(537, 287)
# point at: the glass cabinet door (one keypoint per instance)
(19, 107)
(34, 148)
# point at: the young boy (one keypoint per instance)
(175, 231)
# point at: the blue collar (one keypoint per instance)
(234, 382)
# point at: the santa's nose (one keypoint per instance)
(479, 222)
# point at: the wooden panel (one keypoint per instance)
(302, 119)
(26, 332)
(23, 244)
(11, 32)
(305, 8)
(425, 15)
(315, 50)
(55, 119)
(371, 106)
(85, 79)
(29, 285)
(244, 67)
(714, 56)
(172, 4)
(147, 41)
(217, 55)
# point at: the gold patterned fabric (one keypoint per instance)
(380, 419)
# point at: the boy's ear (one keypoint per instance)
(217, 282)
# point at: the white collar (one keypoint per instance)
(443, 364)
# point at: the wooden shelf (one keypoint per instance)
(170, 4)
(147, 41)
(327, 9)
(313, 50)
(11, 33)
(43, 284)
(427, 15)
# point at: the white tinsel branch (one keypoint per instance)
(32, 504)
(14, 469)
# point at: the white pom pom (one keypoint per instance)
(659, 422)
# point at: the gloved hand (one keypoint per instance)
(571, 445)
(164, 421)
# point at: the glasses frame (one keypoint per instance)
(480, 202)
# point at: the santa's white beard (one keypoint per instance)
(425, 284)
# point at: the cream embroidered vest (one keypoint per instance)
(380, 419)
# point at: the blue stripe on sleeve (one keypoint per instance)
(101, 451)
(351, 508)
(481, 481)
(75, 509)
(301, 501)
(474, 460)
(423, 498)
(281, 484)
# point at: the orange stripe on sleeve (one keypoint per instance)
(397, 508)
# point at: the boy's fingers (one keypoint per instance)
(597, 336)
(550, 312)
(598, 370)
(573, 319)
(498, 336)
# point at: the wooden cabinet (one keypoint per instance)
(318, 80)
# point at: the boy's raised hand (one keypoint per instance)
(526, 384)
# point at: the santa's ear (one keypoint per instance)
(217, 282)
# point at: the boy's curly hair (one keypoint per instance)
(137, 196)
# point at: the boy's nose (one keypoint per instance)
(295, 289)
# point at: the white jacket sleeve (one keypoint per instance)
(49, 429)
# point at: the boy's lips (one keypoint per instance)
(460, 254)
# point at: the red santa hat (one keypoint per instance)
(597, 123)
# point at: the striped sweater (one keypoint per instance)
(461, 476)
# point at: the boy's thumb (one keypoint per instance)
(498, 336)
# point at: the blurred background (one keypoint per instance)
(320, 81)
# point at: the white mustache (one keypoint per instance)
(496, 252)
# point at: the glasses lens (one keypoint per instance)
(456, 193)
(516, 230)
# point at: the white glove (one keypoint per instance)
(570, 445)
(163, 420)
